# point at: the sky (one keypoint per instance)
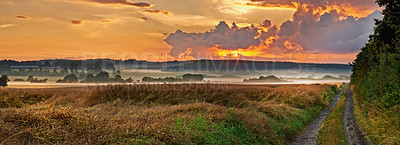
(316, 31)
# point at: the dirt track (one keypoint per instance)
(351, 131)
(309, 136)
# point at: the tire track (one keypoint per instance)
(309, 136)
(351, 131)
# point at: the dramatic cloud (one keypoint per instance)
(125, 2)
(317, 27)
(222, 37)
(158, 12)
(76, 22)
(23, 17)
(329, 34)
(344, 7)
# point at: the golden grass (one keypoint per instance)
(159, 114)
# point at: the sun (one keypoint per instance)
(236, 53)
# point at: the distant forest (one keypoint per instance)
(62, 67)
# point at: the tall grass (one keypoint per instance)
(331, 131)
(160, 114)
(382, 126)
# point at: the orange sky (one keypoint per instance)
(79, 29)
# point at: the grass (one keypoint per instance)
(159, 114)
(331, 131)
(381, 126)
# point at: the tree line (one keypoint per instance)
(102, 77)
(185, 78)
(376, 70)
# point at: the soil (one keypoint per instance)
(353, 135)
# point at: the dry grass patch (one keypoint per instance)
(160, 114)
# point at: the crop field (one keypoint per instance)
(160, 114)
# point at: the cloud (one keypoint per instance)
(343, 6)
(223, 37)
(125, 2)
(76, 22)
(22, 17)
(328, 33)
(334, 31)
(158, 12)
(7, 25)
(266, 23)
(144, 18)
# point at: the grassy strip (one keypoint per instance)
(382, 126)
(331, 132)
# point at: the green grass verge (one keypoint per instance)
(382, 126)
(202, 130)
(331, 132)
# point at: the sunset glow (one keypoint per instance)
(79, 29)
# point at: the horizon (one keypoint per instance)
(172, 60)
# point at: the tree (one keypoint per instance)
(74, 66)
(4, 81)
(82, 77)
(47, 64)
(40, 65)
(89, 78)
(118, 79)
(193, 77)
(95, 68)
(102, 77)
(30, 78)
(376, 70)
(71, 78)
(129, 80)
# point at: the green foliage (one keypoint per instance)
(19, 80)
(185, 77)
(329, 95)
(167, 79)
(376, 76)
(270, 78)
(30, 78)
(102, 77)
(4, 81)
(328, 77)
(71, 78)
(193, 77)
(376, 71)
(202, 130)
(36, 80)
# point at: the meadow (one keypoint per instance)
(160, 114)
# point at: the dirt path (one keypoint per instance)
(352, 133)
(309, 136)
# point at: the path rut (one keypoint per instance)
(351, 131)
(309, 136)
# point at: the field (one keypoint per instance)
(160, 114)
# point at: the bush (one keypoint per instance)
(19, 80)
(4, 81)
(71, 78)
